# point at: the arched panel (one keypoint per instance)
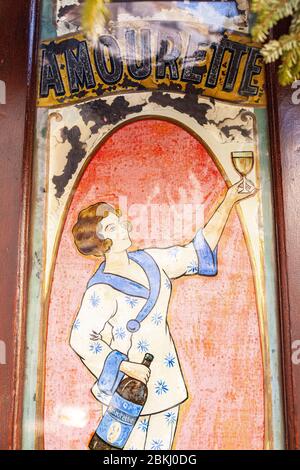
(164, 177)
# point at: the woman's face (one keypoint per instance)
(117, 230)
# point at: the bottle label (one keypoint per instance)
(118, 421)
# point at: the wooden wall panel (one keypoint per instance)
(289, 128)
(284, 124)
(17, 70)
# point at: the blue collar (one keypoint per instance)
(134, 288)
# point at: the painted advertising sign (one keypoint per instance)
(152, 234)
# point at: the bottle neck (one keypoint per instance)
(146, 363)
(147, 360)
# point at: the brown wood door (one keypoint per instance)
(17, 110)
(284, 119)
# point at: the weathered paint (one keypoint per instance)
(74, 135)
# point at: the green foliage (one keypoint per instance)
(287, 46)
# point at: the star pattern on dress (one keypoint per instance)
(143, 345)
(143, 425)
(170, 417)
(157, 444)
(192, 268)
(157, 318)
(95, 300)
(168, 284)
(76, 324)
(131, 301)
(95, 348)
(119, 332)
(170, 360)
(161, 387)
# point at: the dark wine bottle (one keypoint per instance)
(123, 412)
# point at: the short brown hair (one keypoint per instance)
(85, 230)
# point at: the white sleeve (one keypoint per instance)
(194, 258)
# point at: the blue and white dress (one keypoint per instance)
(120, 319)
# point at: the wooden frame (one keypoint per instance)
(286, 246)
(19, 73)
(18, 70)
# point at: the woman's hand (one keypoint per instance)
(136, 371)
(234, 193)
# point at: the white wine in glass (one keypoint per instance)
(243, 163)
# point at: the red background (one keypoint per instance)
(213, 320)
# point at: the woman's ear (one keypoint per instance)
(118, 212)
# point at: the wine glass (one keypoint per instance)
(243, 163)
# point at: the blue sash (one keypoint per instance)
(133, 288)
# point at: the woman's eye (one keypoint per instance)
(112, 228)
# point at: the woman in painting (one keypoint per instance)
(124, 310)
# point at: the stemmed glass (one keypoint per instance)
(243, 163)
